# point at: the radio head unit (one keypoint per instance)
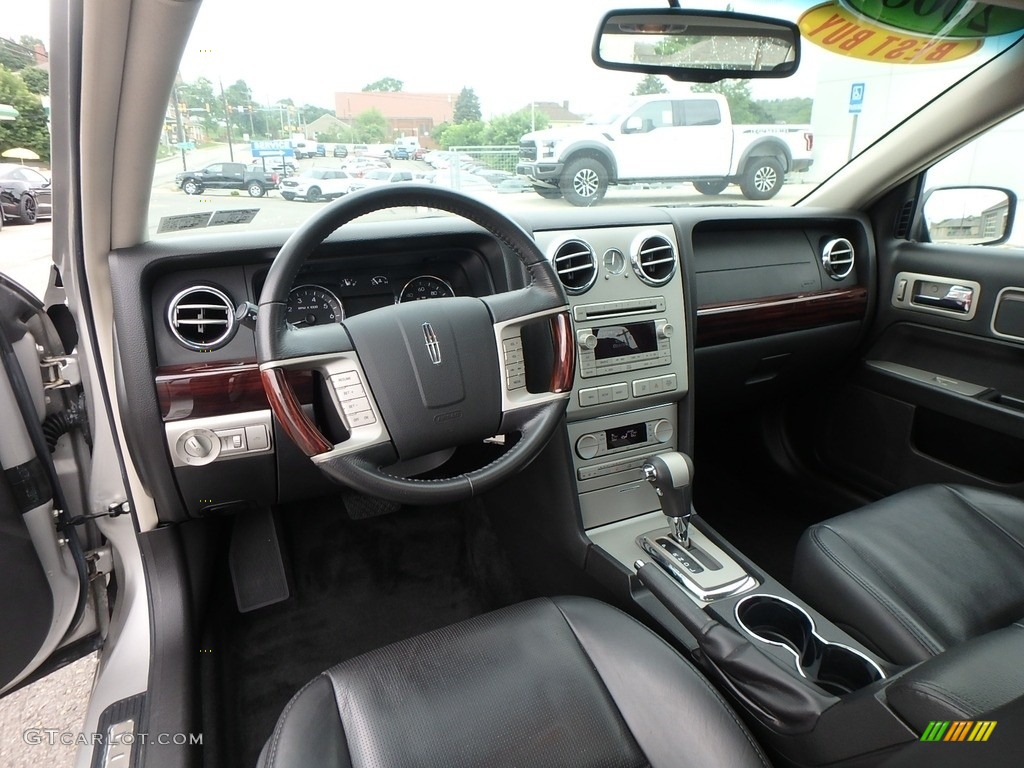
(624, 345)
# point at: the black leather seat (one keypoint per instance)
(919, 572)
(562, 682)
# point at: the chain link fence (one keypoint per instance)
(478, 167)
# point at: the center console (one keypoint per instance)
(803, 681)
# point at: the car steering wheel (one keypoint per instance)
(411, 379)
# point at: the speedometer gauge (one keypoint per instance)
(313, 305)
(425, 287)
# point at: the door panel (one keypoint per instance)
(939, 393)
(42, 567)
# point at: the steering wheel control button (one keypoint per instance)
(514, 356)
(361, 419)
(355, 405)
(516, 382)
(346, 379)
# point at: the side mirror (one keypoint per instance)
(633, 125)
(697, 46)
(969, 215)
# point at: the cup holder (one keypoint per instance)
(834, 667)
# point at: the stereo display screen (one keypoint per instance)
(625, 340)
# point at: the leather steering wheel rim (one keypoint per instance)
(280, 345)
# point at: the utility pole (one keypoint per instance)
(181, 129)
(227, 120)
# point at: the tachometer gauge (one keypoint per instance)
(425, 287)
(313, 305)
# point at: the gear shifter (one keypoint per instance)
(671, 474)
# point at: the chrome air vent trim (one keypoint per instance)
(838, 257)
(653, 258)
(201, 318)
(576, 265)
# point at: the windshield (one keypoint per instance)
(500, 111)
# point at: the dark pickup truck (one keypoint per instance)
(251, 178)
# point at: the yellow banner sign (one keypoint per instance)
(837, 30)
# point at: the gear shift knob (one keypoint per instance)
(671, 474)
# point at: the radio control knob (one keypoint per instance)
(587, 446)
(666, 330)
(586, 340)
(663, 430)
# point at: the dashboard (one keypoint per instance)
(663, 303)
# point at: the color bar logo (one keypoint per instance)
(958, 730)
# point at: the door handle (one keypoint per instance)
(957, 298)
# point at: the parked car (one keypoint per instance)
(340, 150)
(317, 184)
(252, 178)
(357, 166)
(25, 194)
(378, 176)
(321, 150)
(401, 153)
(405, 479)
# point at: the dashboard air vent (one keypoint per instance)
(837, 258)
(201, 318)
(576, 266)
(654, 258)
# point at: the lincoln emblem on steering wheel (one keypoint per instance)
(433, 347)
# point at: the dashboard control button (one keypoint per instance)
(666, 331)
(588, 397)
(604, 394)
(620, 392)
(641, 387)
(663, 430)
(586, 340)
(256, 437)
(587, 447)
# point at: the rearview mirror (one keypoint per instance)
(698, 46)
(969, 215)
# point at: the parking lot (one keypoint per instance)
(277, 213)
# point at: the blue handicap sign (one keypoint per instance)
(856, 98)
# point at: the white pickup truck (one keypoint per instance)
(662, 138)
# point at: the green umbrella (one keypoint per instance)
(7, 112)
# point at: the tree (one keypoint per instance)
(508, 129)
(36, 80)
(371, 127)
(15, 56)
(311, 112)
(788, 111)
(650, 84)
(29, 130)
(467, 134)
(385, 85)
(467, 106)
(741, 104)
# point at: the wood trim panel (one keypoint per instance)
(757, 318)
(218, 389)
(564, 372)
(289, 413)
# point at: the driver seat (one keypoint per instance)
(567, 681)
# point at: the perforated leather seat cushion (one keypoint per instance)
(562, 682)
